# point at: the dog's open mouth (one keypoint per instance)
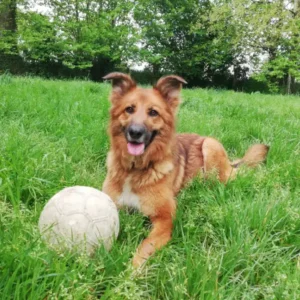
(135, 148)
(138, 147)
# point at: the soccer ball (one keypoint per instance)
(79, 218)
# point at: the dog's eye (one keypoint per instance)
(153, 113)
(129, 110)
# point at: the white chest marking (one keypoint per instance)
(128, 198)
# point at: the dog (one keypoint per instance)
(148, 163)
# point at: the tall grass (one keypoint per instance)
(239, 241)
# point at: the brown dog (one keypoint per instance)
(148, 163)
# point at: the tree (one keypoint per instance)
(185, 37)
(83, 37)
(210, 43)
(9, 58)
(93, 33)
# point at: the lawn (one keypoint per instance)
(239, 241)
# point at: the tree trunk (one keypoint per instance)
(155, 71)
(296, 7)
(288, 84)
(9, 58)
(8, 14)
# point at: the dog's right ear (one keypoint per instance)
(121, 84)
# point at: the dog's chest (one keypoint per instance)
(128, 198)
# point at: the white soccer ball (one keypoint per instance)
(79, 218)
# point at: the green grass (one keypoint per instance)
(239, 241)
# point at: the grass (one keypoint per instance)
(239, 241)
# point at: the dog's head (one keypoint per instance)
(142, 118)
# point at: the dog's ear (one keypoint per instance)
(121, 83)
(169, 87)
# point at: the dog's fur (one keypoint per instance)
(149, 181)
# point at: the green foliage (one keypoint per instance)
(180, 37)
(39, 40)
(286, 61)
(210, 43)
(262, 28)
(239, 241)
(78, 32)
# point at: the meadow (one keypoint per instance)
(239, 241)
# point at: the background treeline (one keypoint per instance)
(249, 45)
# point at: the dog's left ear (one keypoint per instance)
(121, 84)
(169, 87)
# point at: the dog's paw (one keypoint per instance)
(138, 261)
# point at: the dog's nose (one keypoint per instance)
(136, 131)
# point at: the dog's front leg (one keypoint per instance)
(158, 237)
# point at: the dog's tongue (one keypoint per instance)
(135, 149)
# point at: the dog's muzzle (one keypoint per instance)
(138, 138)
(136, 133)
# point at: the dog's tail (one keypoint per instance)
(255, 155)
